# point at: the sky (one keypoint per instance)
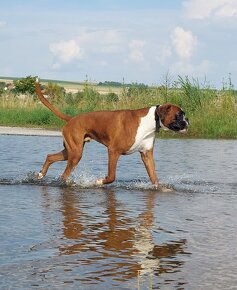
(120, 40)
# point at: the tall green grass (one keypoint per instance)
(212, 113)
(26, 112)
(216, 119)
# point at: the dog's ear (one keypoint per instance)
(163, 110)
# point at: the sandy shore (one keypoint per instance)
(28, 131)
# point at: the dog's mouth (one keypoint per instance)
(179, 125)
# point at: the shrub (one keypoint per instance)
(137, 89)
(2, 85)
(25, 85)
(90, 97)
(111, 97)
(55, 92)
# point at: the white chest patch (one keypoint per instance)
(145, 133)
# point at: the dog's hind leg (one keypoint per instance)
(74, 156)
(51, 158)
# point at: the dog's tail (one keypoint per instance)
(58, 113)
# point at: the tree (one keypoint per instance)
(25, 85)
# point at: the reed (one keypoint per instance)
(217, 118)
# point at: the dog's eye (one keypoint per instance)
(179, 115)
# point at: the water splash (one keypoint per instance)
(142, 185)
(84, 180)
(180, 183)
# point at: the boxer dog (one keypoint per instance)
(122, 132)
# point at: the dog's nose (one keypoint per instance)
(187, 121)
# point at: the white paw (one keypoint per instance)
(166, 189)
(40, 175)
(99, 181)
(156, 186)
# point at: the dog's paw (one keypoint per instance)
(156, 186)
(166, 189)
(163, 188)
(99, 181)
(40, 176)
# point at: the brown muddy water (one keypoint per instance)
(125, 235)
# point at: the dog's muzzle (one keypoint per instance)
(179, 125)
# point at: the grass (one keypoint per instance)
(27, 113)
(212, 113)
(218, 119)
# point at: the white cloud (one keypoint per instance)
(228, 10)
(66, 51)
(184, 42)
(103, 40)
(136, 50)
(200, 9)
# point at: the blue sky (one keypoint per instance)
(112, 40)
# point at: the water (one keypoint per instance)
(121, 236)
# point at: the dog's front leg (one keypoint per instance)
(148, 160)
(112, 164)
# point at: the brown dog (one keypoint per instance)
(122, 132)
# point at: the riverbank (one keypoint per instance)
(25, 131)
(28, 131)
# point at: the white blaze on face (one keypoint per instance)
(187, 124)
(145, 133)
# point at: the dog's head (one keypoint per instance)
(171, 117)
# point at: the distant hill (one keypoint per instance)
(2, 78)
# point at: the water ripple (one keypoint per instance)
(77, 235)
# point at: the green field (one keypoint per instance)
(212, 113)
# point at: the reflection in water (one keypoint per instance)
(155, 258)
(167, 253)
(112, 241)
(72, 224)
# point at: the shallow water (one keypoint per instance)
(121, 236)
